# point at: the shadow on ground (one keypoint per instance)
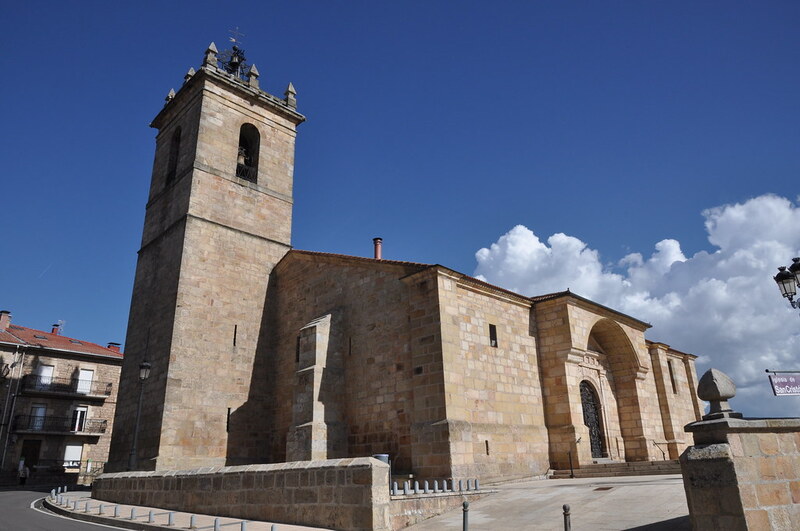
(681, 523)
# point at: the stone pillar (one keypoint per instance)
(741, 473)
(317, 429)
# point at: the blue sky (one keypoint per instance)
(439, 126)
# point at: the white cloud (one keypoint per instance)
(721, 305)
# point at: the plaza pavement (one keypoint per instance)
(652, 503)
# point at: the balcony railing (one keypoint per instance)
(88, 467)
(69, 386)
(50, 424)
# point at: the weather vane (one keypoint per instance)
(237, 35)
(233, 60)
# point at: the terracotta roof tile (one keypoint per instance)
(22, 335)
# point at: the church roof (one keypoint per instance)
(372, 261)
(418, 266)
(30, 337)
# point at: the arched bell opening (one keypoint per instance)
(247, 155)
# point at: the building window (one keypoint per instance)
(72, 455)
(247, 156)
(85, 377)
(44, 377)
(38, 414)
(492, 336)
(672, 376)
(174, 151)
(78, 419)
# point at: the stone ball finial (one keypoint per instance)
(717, 388)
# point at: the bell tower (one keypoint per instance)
(218, 218)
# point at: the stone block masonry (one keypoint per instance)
(348, 494)
(741, 473)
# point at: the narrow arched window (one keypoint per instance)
(174, 150)
(247, 157)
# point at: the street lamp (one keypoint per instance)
(789, 280)
(144, 374)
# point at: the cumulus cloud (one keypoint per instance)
(721, 305)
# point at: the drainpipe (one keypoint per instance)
(7, 419)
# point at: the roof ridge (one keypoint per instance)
(362, 258)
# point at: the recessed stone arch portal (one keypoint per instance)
(627, 379)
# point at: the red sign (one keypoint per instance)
(785, 384)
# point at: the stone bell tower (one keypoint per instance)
(217, 220)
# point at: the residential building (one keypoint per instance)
(57, 396)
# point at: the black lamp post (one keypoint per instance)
(144, 374)
(789, 280)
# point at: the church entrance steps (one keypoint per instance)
(617, 469)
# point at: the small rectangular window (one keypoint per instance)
(492, 336)
(672, 376)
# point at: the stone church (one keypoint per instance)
(262, 353)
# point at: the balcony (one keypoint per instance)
(47, 425)
(33, 384)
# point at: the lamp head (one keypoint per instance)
(144, 371)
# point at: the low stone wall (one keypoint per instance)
(347, 494)
(743, 474)
(408, 510)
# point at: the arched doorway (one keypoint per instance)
(592, 419)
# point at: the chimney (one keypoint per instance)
(114, 346)
(5, 319)
(56, 329)
(378, 242)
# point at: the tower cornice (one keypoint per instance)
(236, 85)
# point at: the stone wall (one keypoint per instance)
(492, 386)
(347, 494)
(409, 510)
(367, 384)
(675, 382)
(743, 474)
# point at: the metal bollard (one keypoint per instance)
(86, 507)
(567, 523)
(150, 517)
(116, 511)
(274, 527)
(133, 513)
(395, 492)
(427, 487)
(416, 487)
(192, 522)
(74, 506)
(477, 484)
(466, 515)
(244, 526)
(216, 524)
(170, 518)
(100, 509)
